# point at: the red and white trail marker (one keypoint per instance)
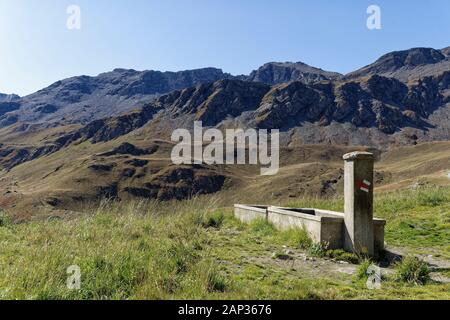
(364, 185)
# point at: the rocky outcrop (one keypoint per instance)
(386, 104)
(276, 73)
(407, 65)
(84, 99)
(211, 103)
(110, 128)
(8, 97)
(378, 102)
(180, 182)
(138, 163)
(97, 131)
(11, 156)
(6, 107)
(446, 51)
(102, 167)
(291, 104)
(8, 103)
(370, 106)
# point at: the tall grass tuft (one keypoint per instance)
(412, 270)
(5, 220)
(213, 219)
(361, 272)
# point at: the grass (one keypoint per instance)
(123, 252)
(191, 250)
(4, 219)
(362, 271)
(412, 270)
(213, 219)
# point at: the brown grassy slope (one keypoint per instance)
(82, 173)
(22, 134)
(422, 164)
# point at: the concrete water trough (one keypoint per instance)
(249, 213)
(354, 230)
(324, 226)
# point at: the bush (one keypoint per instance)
(412, 270)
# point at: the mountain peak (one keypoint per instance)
(446, 51)
(279, 72)
(8, 97)
(406, 65)
(412, 57)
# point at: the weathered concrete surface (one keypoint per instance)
(378, 234)
(249, 213)
(285, 219)
(358, 193)
(324, 227)
(331, 233)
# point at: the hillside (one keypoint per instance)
(192, 250)
(52, 185)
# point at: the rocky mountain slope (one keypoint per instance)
(376, 110)
(8, 97)
(276, 72)
(408, 65)
(8, 103)
(82, 99)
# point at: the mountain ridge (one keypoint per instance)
(107, 94)
(407, 65)
(122, 90)
(279, 72)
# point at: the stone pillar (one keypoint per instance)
(358, 189)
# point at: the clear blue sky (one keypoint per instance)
(36, 48)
